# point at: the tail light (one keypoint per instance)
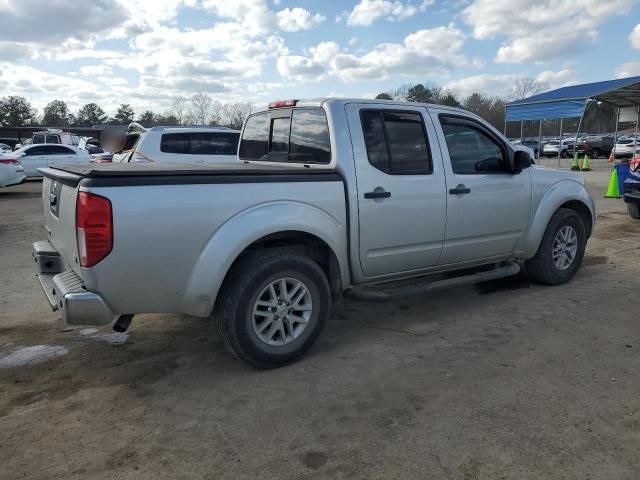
(94, 229)
(10, 161)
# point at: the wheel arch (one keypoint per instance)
(304, 226)
(566, 194)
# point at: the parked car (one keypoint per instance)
(4, 148)
(180, 144)
(597, 145)
(531, 144)
(550, 149)
(330, 194)
(11, 172)
(12, 142)
(624, 148)
(33, 157)
(632, 187)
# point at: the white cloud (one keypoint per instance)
(295, 19)
(629, 69)
(557, 79)
(540, 31)
(299, 68)
(91, 70)
(368, 11)
(634, 37)
(431, 51)
(485, 83)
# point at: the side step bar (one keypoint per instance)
(507, 270)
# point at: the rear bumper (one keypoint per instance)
(65, 290)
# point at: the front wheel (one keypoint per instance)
(564, 154)
(561, 250)
(272, 307)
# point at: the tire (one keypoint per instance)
(595, 153)
(634, 210)
(564, 154)
(247, 283)
(542, 268)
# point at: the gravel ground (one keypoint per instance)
(505, 380)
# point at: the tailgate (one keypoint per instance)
(59, 205)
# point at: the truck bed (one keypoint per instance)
(129, 174)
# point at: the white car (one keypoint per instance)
(43, 155)
(180, 144)
(4, 148)
(11, 172)
(624, 148)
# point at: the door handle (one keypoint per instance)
(460, 190)
(377, 193)
(53, 199)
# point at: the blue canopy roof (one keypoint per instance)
(567, 102)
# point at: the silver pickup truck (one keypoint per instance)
(328, 195)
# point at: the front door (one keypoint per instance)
(488, 205)
(400, 187)
(34, 158)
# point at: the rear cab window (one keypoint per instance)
(293, 135)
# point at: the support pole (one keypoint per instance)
(635, 135)
(560, 144)
(540, 139)
(584, 112)
(521, 129)
(505, 121)
(615, 136)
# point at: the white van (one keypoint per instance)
(53, 135)
(180, 144)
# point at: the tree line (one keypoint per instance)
(199, 109)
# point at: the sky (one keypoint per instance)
(144, 52)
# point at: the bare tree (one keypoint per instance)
(201, 105)
(525, 87)
(179, 108)
(235, 113)
(217, 113)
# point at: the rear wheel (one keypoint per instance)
(595, 153)
(634, 210)
(272, 307)
(561, 250)
(564, 154)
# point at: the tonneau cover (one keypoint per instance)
(129, 174)
(95, 170)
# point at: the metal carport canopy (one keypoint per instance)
(568, 102)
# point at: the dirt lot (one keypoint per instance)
(501, 381)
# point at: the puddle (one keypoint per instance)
(32, 355)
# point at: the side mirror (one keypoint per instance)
(521, 160)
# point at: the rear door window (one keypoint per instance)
(396, 142)
(38, 139)
(39, 150)
(59, 150)
(53, 139)
(213, 143)
(298, 135)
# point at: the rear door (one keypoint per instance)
(488, 206)
(34, 158)
(60, 154)
(401, 188)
